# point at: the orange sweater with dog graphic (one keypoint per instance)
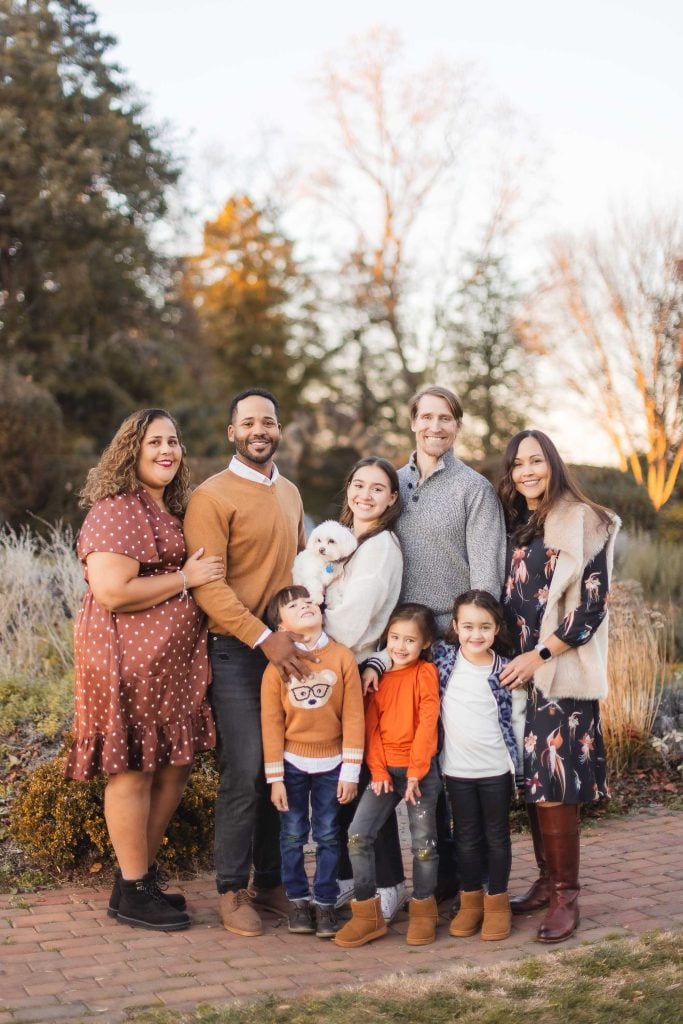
(319, 716)
(401, 722)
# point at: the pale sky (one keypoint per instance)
(599, 83)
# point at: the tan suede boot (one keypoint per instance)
(424, 917)
(497, 917)
(238, 915)
(365, 925)
(468, 919)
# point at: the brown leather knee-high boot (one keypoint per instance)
(538, 895)
(560, 833)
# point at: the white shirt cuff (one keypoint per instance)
(349, 772)
(264, 636)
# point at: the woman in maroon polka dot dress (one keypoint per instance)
(142, 667)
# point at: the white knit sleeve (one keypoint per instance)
(368, 592)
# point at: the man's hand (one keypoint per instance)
(280, 649)
(346, 791)
(278, 794)
(413, 793)
(384, 786)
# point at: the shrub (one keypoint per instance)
(41, 585)
(636, 659)
(60, 825)
(670, 527)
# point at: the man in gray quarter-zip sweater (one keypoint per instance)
(452, 534)
(451, 529)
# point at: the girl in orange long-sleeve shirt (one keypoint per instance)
(401, 724)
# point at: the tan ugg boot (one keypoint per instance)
(497, 917)
(365, 925)
(424, 917)
(468, 919)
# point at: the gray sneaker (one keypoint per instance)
(301, 917)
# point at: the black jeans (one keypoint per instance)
(247, 824)
(481, 817)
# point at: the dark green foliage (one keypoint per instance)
(619, 491)
(82, 179)
(30, 448)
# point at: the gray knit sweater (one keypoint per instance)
(452, 533)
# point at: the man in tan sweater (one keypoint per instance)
(254, 519)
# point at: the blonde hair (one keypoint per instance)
(116, 472)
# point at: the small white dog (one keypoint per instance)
(321, 561)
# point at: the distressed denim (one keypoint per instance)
(247, 824)
(374, 810)
(320, 788)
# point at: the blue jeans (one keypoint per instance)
(247, 824)
(296, 823)
(374, 810)
(481, 813)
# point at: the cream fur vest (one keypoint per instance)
(578, 533)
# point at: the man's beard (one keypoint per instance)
(258, 458)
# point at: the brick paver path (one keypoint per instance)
(63, 959)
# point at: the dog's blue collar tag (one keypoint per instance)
(329, 567)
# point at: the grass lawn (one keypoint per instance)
(637, 981)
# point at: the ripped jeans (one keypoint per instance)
(374, 810)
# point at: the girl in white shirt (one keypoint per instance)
(478, 759)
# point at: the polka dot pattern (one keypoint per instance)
(141, 677)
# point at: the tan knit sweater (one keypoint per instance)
(257, 530)
(319, 716)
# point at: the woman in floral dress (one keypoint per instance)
(559, 557)
(142, 668)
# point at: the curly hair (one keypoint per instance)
(115, 473)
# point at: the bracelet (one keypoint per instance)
(184, 593)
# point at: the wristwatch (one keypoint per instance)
(544, 652)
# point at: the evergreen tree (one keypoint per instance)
(491, 370)
(254, 305)
(82, 179)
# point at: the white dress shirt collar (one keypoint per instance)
(239, 469)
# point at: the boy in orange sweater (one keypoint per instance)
(401, 725)
(313, 733)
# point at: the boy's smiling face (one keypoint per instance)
(302, 615)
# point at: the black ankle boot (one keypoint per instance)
(158, 878)
(143, 905)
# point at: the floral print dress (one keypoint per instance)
(564, 754)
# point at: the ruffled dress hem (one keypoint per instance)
(142, 748)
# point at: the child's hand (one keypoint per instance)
(385, 786)
(370, 680)
(278, 794)
(413, 793)
(346, 791)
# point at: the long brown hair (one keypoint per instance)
(561, 483)
(116, 472)
(388, 518)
